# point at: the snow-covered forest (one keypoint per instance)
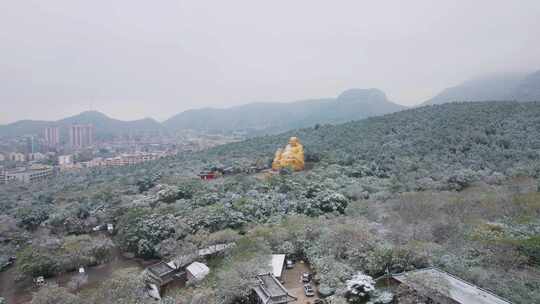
(454, 186)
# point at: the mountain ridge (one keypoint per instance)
(495, 87)
(274, 117)
(104, 125)
(256, 118)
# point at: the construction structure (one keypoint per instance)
(268, 290)
(442, 287)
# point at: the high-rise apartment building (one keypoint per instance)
(30, 144)
(52, 136)
(81, 136)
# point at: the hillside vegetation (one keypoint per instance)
(454, 186)
(429, 142)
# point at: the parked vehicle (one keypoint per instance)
(40, 281)
(98, 228)
(8, 263)
(306, 277)
(290, 264)
(308, 290)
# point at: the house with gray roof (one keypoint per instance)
(442, 287)
(268, 290)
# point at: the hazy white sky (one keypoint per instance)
(133, 59)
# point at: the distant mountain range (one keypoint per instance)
(265, 118)
(254, 118)
(104, 126)
(514, 87)
(273, 117)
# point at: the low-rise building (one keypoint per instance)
(64, 160)
(162, 273)
(96, 162)
(2, 175)
(208, 175)
(124, 159)
(36, 156)
(17, 157)
(2, 157)
(32, 174)
(197, 271)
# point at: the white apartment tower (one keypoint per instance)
(81, 136)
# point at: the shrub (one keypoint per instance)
(140, 232)
(531, 248)
(31, 217)
(34, 262)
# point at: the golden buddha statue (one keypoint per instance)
(276, 164)
(292, 156)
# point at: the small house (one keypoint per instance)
(162, 273)
(268, 290)
(208, 175)
(197, 272)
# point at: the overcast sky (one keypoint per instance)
(133, 59)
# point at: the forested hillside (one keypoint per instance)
(453, 186)
(431, 141)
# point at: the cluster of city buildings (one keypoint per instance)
(22, 157)
(66, 162)
(35, 172)
(31, 158)
(34, 157)
(34, 148)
